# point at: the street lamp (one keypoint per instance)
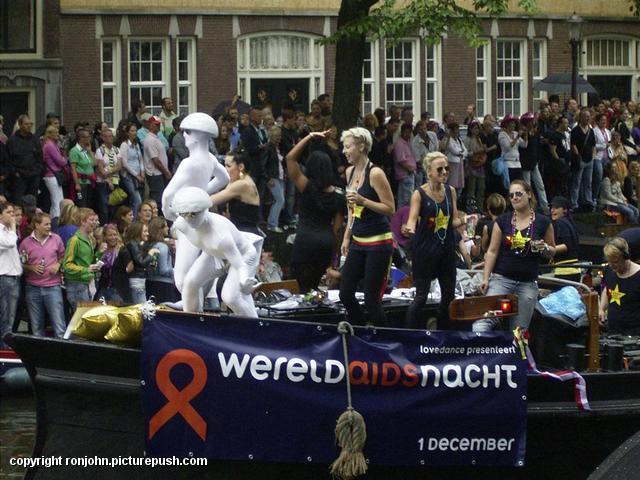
(575, 27)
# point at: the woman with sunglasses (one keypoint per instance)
(434, 246)
(367, 241)
(512, 263)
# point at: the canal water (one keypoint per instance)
(17, 433)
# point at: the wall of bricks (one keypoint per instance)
(217, 54)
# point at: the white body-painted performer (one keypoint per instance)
(217, 239)
(200, 169)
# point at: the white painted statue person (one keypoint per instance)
(200, 169)
(218, 240)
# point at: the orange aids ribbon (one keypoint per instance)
(179, 399)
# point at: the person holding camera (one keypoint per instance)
(511, 139)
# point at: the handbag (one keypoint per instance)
(60, 177)
(117, 196)
(478, 159)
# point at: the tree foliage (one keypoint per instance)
(389, 19)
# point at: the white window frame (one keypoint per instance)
(521, 79)
(413, 80)
(632, 69)
(115, 85)
(483, 81)
(189, 83)
(315, 72)
(434, 79)
(38, 53)
(372, 81)
(166, 72)
(542, 70)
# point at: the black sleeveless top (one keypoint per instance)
(434, 235)
(244, 216)
(368, 223)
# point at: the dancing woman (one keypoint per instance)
(367, 241)
(433, 247)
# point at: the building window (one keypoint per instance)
(18, 26)
(186, 75)
(369, 76)
(433, 90)
(401, 74)
(483, 75)
(602, 52)
(280, 63)
(148, 75)
(510, 76)
(280, 52)
(539, 69)
(110, 74)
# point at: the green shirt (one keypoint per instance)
(83, 163)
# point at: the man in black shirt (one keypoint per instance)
(489, 138)
(25, 160)
(583, 149)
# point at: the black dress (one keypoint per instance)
(315, 241)
(244, 216)
(433, 253)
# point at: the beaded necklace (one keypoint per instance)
(443, 237)
(527, 234)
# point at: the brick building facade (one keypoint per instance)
(89, 59)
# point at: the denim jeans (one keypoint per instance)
(527, 293)
(291, 201)
(276, 187)
(627, 210)
(128, 185)
(598, 166)
(533, 178)
(77, 292)
(138, 290)
(9, 293)
(56, 195)
(406, 186)
(581, 181)
(43, 300)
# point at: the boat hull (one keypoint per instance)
(89, 404)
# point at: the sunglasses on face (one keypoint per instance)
(443, 169)
(517, 194)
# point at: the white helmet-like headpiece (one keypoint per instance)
(200, 122)
(190, 200)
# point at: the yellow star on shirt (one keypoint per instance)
(442, 221)
(616, 295)
(519, 241)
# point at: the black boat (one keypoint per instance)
(89, 404)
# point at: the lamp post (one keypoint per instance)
(575, 27)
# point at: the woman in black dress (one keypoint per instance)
(433, 247)
(322, 211)
(241, 195)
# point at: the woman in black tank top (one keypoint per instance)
(367, 241)
(241, 195)
(433, 246)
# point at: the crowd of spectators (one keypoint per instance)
(81, 208)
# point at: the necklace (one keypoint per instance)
(526, 245)
(439, 212)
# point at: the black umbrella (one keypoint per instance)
(243, 107)
(561, 83)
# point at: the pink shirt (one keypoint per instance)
(403, 158)
(53, 158)
(51, 250)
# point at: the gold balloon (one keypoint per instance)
(95, 323)
(127, 327)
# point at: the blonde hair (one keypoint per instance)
(50, 131)
(360, 135)
(68, 215)
(429, 158)
(528, 190)
(617, 248)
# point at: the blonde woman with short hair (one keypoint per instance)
(55, 164)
